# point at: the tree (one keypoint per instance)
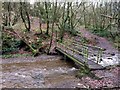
(10, 13)
(24, 8)
(47, 17)
(119, 17)
(61, 25)
(39, 10)
(54, 8)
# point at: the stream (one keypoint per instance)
(51, 72)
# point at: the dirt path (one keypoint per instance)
(109, 78)
(110, 55)
(99, 41)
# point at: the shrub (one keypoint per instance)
(9, 43)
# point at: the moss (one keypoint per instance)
(85, 72)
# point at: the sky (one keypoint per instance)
(32, 1)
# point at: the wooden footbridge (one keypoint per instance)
(81, 53)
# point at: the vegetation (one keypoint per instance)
(59, 19)
(77, 30)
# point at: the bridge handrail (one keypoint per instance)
(99, 54)
(88, 45)
(86, 55)
(77, 45)
(71, 49)
(86, 51)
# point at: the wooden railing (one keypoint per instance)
(83, 47)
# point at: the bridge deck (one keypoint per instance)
(79, 58)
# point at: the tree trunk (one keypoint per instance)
(53, 21)
(28, 18)
(84, 14)
(40, 24)
(63, 24)
(47, 18)
(119, 17)
(9, 14)
(22, 16)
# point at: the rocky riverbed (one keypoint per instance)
(39, 72)
(52, 72)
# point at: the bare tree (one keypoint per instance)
(119, 17)
(25, 15)
(54, 7)
(39, 10)
(47, 17)
(10, 13)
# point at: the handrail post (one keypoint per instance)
(98, 55)
(87, 53)
(84, 53)
(73, 52)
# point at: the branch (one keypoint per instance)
(28, 18)
(34, 51)
(109, 16)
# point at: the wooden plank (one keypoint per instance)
(79, 49)
(96, 47)
(73, 49)
(77, 58)
(69, 56)
(94, 66)
(91, 64)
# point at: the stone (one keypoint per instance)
(113, 54)
(38, 76)
(109, 58)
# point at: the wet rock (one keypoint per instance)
(109, 58)
(101, 59)
(79, 85)
(38, 76)
(109, 75)
(113, 54)
(54, 75)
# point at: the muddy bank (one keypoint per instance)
(30, 59)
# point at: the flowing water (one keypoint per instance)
(50, 72)
(53, 72)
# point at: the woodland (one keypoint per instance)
(36, 29)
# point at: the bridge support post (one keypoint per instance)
(99, 56)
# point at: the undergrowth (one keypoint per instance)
(84, 72)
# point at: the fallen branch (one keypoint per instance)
(34, 51)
